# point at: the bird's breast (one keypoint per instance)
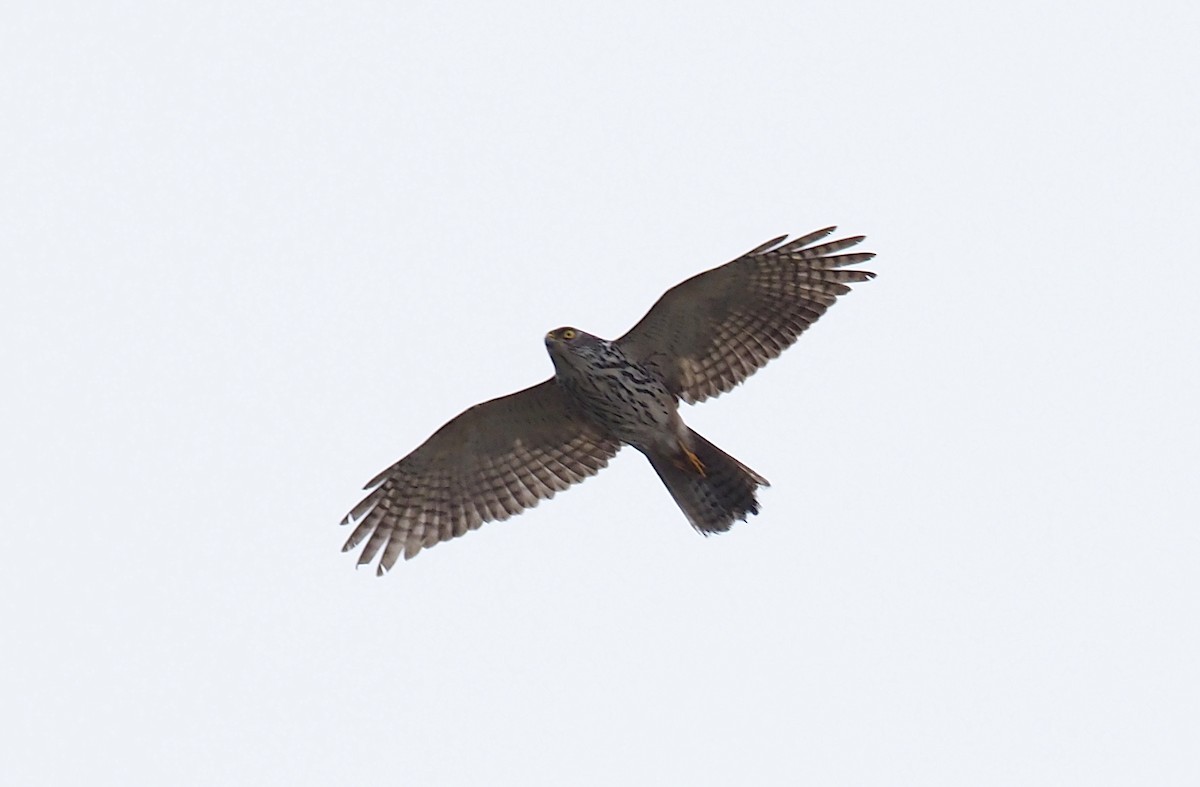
(626, 399)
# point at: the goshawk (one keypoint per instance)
(699, 340)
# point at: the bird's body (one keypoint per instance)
(700, 339)
(619, 394)
(632, 403)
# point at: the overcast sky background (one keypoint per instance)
(255, 252)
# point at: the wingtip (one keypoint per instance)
(765, 247)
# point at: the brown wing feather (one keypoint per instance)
(494, 460)
(714, 330)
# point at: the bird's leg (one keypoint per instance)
(692, 460)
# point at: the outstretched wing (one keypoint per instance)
(494, 460)
(711, 332)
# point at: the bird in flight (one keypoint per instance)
(702, 338)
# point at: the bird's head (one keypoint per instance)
(566, 335)
(571, 346)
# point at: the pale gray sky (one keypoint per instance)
(255, 252)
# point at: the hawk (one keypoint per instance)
(702, 338)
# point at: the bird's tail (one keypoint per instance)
(711, 487)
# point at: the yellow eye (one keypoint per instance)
(568, 334)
